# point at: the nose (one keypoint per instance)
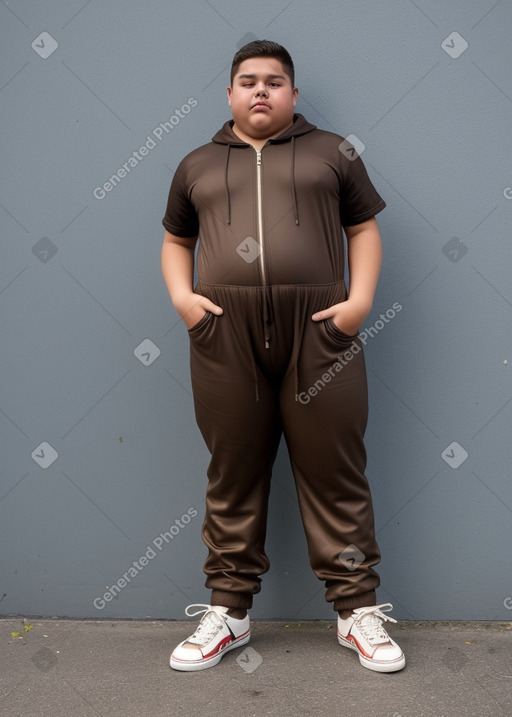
(261, 90)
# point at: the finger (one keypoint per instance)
(210, 306)
(322, 315)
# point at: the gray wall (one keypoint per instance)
(94, 360)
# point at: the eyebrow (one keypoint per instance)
(268, 77)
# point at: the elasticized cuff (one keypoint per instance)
(230, 599)
(355, 601)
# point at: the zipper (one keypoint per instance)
(260, 218)
(260, 241)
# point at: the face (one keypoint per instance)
(262, 98)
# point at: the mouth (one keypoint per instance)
(260, 106)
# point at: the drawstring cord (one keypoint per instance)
(294, 193)
(227, 184)
(299, 326)
(267, 315)
(255, 374)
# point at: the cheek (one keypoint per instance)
(284, 105)
(236, 101)
(236, 106)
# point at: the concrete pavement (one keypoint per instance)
(73, 668)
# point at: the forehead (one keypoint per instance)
(261, 67)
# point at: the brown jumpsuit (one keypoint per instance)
(271, 253)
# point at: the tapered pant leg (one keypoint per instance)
(324, 431)
(240, 424)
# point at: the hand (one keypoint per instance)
(194, 307)
(347, 316)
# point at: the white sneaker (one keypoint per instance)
(363, 632)
(216, 634)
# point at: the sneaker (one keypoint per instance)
(363, 632)
(216, 634)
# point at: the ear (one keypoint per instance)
(295, 92)
(230, 92)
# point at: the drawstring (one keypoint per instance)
(266, 316)
(227, 184)
(299, 325)
(294, 193)
(255, 374)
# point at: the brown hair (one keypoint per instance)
(264, 48)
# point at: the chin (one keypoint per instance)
(263, 123)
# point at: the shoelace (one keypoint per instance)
(209, 626)
(369, 621)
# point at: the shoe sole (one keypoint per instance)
(390, 666)
(195, 665)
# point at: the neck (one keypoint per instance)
(257, 142)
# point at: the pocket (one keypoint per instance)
(198, 327)
(337, 335)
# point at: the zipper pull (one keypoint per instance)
(258, 158)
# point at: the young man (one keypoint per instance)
(274, 350)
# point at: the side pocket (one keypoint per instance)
(198, 328)
(337, 335)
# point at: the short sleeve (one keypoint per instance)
(359, 200)
(180, 217)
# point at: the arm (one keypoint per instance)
(364, 262)
(178, 273)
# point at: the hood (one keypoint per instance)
(299, 127)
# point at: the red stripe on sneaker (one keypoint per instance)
(352, 639)
(222, 644)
